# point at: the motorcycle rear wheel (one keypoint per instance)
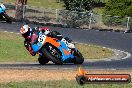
(79, 59)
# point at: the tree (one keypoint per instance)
(19, 9)
(78, 5)
(121, 8)
(78, 12)
(118, 8)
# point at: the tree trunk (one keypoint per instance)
(19, 9)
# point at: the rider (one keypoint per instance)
(3, 15)
(30, 36)
(2, 10)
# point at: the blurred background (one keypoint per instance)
(88, 14)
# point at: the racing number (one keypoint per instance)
(41, 38)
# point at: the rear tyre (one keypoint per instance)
(53, 54)
(43, 60)
(79, 59)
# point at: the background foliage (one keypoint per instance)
(121, 8)
(78, 5)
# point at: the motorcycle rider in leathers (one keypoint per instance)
(31, 35)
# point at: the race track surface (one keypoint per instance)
(115, 40)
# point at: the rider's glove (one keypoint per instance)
(26, 44)
(35, 29)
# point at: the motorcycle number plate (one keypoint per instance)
(41, 39)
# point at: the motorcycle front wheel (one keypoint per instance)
(53, 54)
(43, 60)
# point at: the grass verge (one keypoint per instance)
(53, 78)
(93, 51)
(12, 49)
(60, 84)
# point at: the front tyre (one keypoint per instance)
(53, 54)
(43, 60)
(79, 59)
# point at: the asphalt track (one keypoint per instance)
(115, 40)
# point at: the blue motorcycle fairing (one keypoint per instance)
(64, 57)
(36, 47)
(1, 10)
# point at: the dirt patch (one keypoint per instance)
(34, 75)
(7, 75)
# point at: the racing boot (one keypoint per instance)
(31, 51)
(29, 48)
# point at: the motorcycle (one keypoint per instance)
(55, 50)
(3, 15)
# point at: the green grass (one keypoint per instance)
(60, 84)
(93, 51)
(12, 49)
(41, 3)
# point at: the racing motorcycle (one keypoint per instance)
(56, 50)
(3, 15)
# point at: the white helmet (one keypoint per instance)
(3, 7)
(24, 29)
(47, 31)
